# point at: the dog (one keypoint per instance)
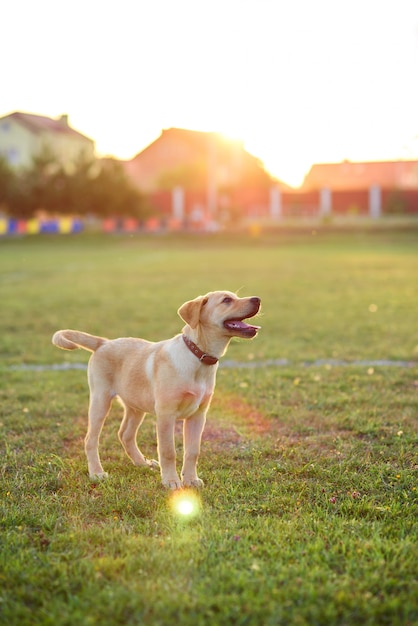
(173, 379)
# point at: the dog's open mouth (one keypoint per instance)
(241, 328)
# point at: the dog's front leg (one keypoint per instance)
(167, 452)
(192, 435)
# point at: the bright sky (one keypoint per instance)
(299, 81)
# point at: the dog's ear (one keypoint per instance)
(190, 311)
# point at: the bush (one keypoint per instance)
(94, 187)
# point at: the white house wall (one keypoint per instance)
(67, 148)
(19, 145)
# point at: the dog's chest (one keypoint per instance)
(194, 398)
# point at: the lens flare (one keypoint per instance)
(185, 503)
(185, 507)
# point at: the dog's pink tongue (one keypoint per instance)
(239, 325)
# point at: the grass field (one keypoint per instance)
(308, 516)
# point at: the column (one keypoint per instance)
(325, 202)
(375, 201)
(275, 203)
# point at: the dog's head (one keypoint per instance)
(223, 311)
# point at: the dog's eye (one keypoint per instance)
(227, 300)
(205, 301)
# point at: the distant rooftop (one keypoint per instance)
(39, 123)
(360, 175)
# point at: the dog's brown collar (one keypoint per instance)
(202, 356)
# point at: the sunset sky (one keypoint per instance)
(300, 82)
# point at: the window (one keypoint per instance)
(13, 156)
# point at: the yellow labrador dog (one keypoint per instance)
(173, 379)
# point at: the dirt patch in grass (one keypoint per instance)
(234, 420)
(232, 415)
(220, 436)
(249, 417)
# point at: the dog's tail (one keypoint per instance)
(72, 339)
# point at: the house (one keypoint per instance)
(347, 175)
(211, 176)
(370, 187)
(183, 157)
(24, 135)
(194, 159)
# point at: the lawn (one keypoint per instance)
(308, 516)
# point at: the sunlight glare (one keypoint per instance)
(185, 503)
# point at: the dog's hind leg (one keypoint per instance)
(128, 430)
(98, 411)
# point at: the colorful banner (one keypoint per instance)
(3, 226)
(34, 226)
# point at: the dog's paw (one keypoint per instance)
(99, 476)
(173, 484)
(152, 464)
(195, 483)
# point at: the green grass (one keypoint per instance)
(308, 516)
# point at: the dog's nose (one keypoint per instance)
(256, 302)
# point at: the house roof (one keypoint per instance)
(197, 139)
(354, 175)
(177, 146)
(39, 123)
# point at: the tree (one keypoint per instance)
(35, 189)
(91, 186)
(8, 185)
(191, 176)
(113, 194)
